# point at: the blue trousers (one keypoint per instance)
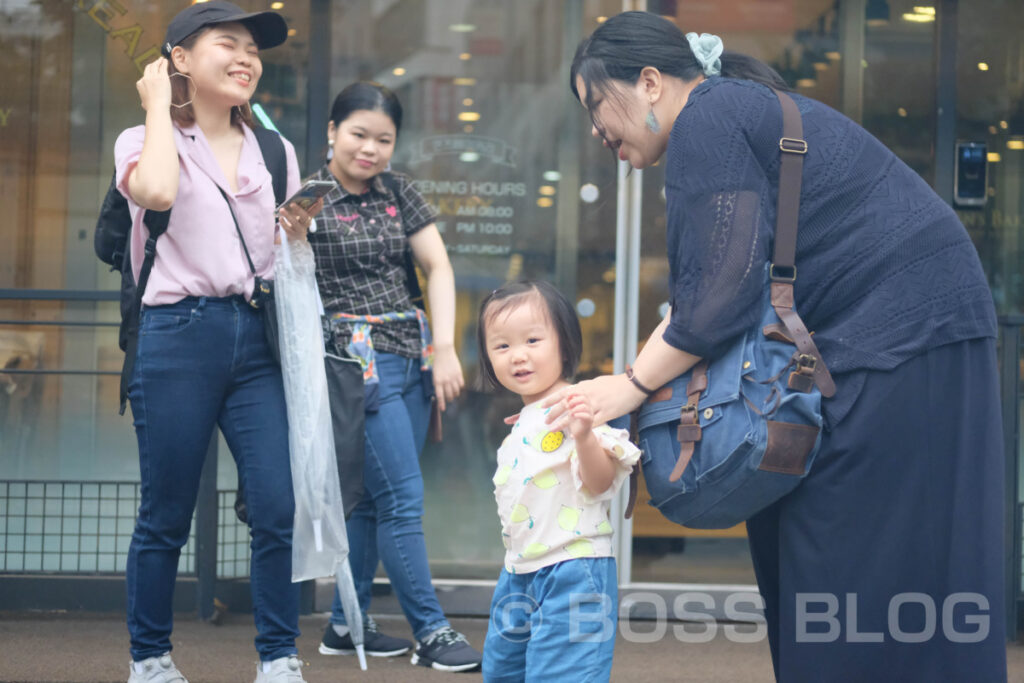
(886, 563)
(555, 624)
(387, 525)
(203, 362)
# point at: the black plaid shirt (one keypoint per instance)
(359, 247)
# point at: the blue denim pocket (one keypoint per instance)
(169, 319)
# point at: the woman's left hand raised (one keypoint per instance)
(448, 380)
(296, 221)
(609, 396)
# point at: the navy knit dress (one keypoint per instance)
(886, 563)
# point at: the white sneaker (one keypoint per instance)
(281, 670)
(155, 670)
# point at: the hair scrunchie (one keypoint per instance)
(707, 48)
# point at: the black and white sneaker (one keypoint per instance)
(447, 650)
(375, 643)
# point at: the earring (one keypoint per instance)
(195, 90)
(652, 123)
(330, 142)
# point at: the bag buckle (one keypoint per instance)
(793, 145)
(806, 363)
(689, 428)
(802, 378)
(261, 292)
(782, 273)
(689, 433)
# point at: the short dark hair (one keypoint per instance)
(621, 47)
(366, 96)
(558, 309)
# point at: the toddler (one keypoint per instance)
(554, 611)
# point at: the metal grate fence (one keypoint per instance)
(74, 527)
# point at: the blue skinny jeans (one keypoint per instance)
(203, 362)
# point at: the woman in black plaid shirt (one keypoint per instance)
(367, 223)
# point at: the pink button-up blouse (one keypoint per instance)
(200, 254)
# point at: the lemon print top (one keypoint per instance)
(547, 514)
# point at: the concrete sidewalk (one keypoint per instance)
(62, 647)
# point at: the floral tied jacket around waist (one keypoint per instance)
(360, 346)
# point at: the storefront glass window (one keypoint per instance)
(491, 135)
(495, 141)
(990, 116)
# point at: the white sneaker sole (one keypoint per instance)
(324, 650)
(416, 661)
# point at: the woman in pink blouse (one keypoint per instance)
(202, 358)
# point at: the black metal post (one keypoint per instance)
(1009, 363)
(318, 94)
(318, 82)
(945, 96)
(206, 533)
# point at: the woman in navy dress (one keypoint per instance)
(886, 563)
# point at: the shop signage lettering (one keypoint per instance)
(490, 149)
(1005, 220)
(996, 220)
(474, 188)
(459, 200)
(4, 113)
(479, 203)
(104, 12)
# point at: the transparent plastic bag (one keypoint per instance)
(319, 538)
(319, 541)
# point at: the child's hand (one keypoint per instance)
(580, 416)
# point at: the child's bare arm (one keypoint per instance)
(597, 466)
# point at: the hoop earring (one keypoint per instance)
(249, 106)
(652, 123)
(194, 86)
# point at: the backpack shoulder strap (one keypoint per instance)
(156, 222)
(412, 281)
(273, 156)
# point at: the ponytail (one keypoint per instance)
(621, 47)
(745, 67)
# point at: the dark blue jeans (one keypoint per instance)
(204, 362)
(387, 525)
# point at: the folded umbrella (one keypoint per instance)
(319, 538)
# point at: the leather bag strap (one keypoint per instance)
(689, 431)
(810, 368)
(810, 365)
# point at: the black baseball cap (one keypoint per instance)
(268, 28)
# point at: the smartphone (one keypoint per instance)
(309, 193)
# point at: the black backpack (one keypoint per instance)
(111, 242)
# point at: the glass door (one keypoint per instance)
(495, 141)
